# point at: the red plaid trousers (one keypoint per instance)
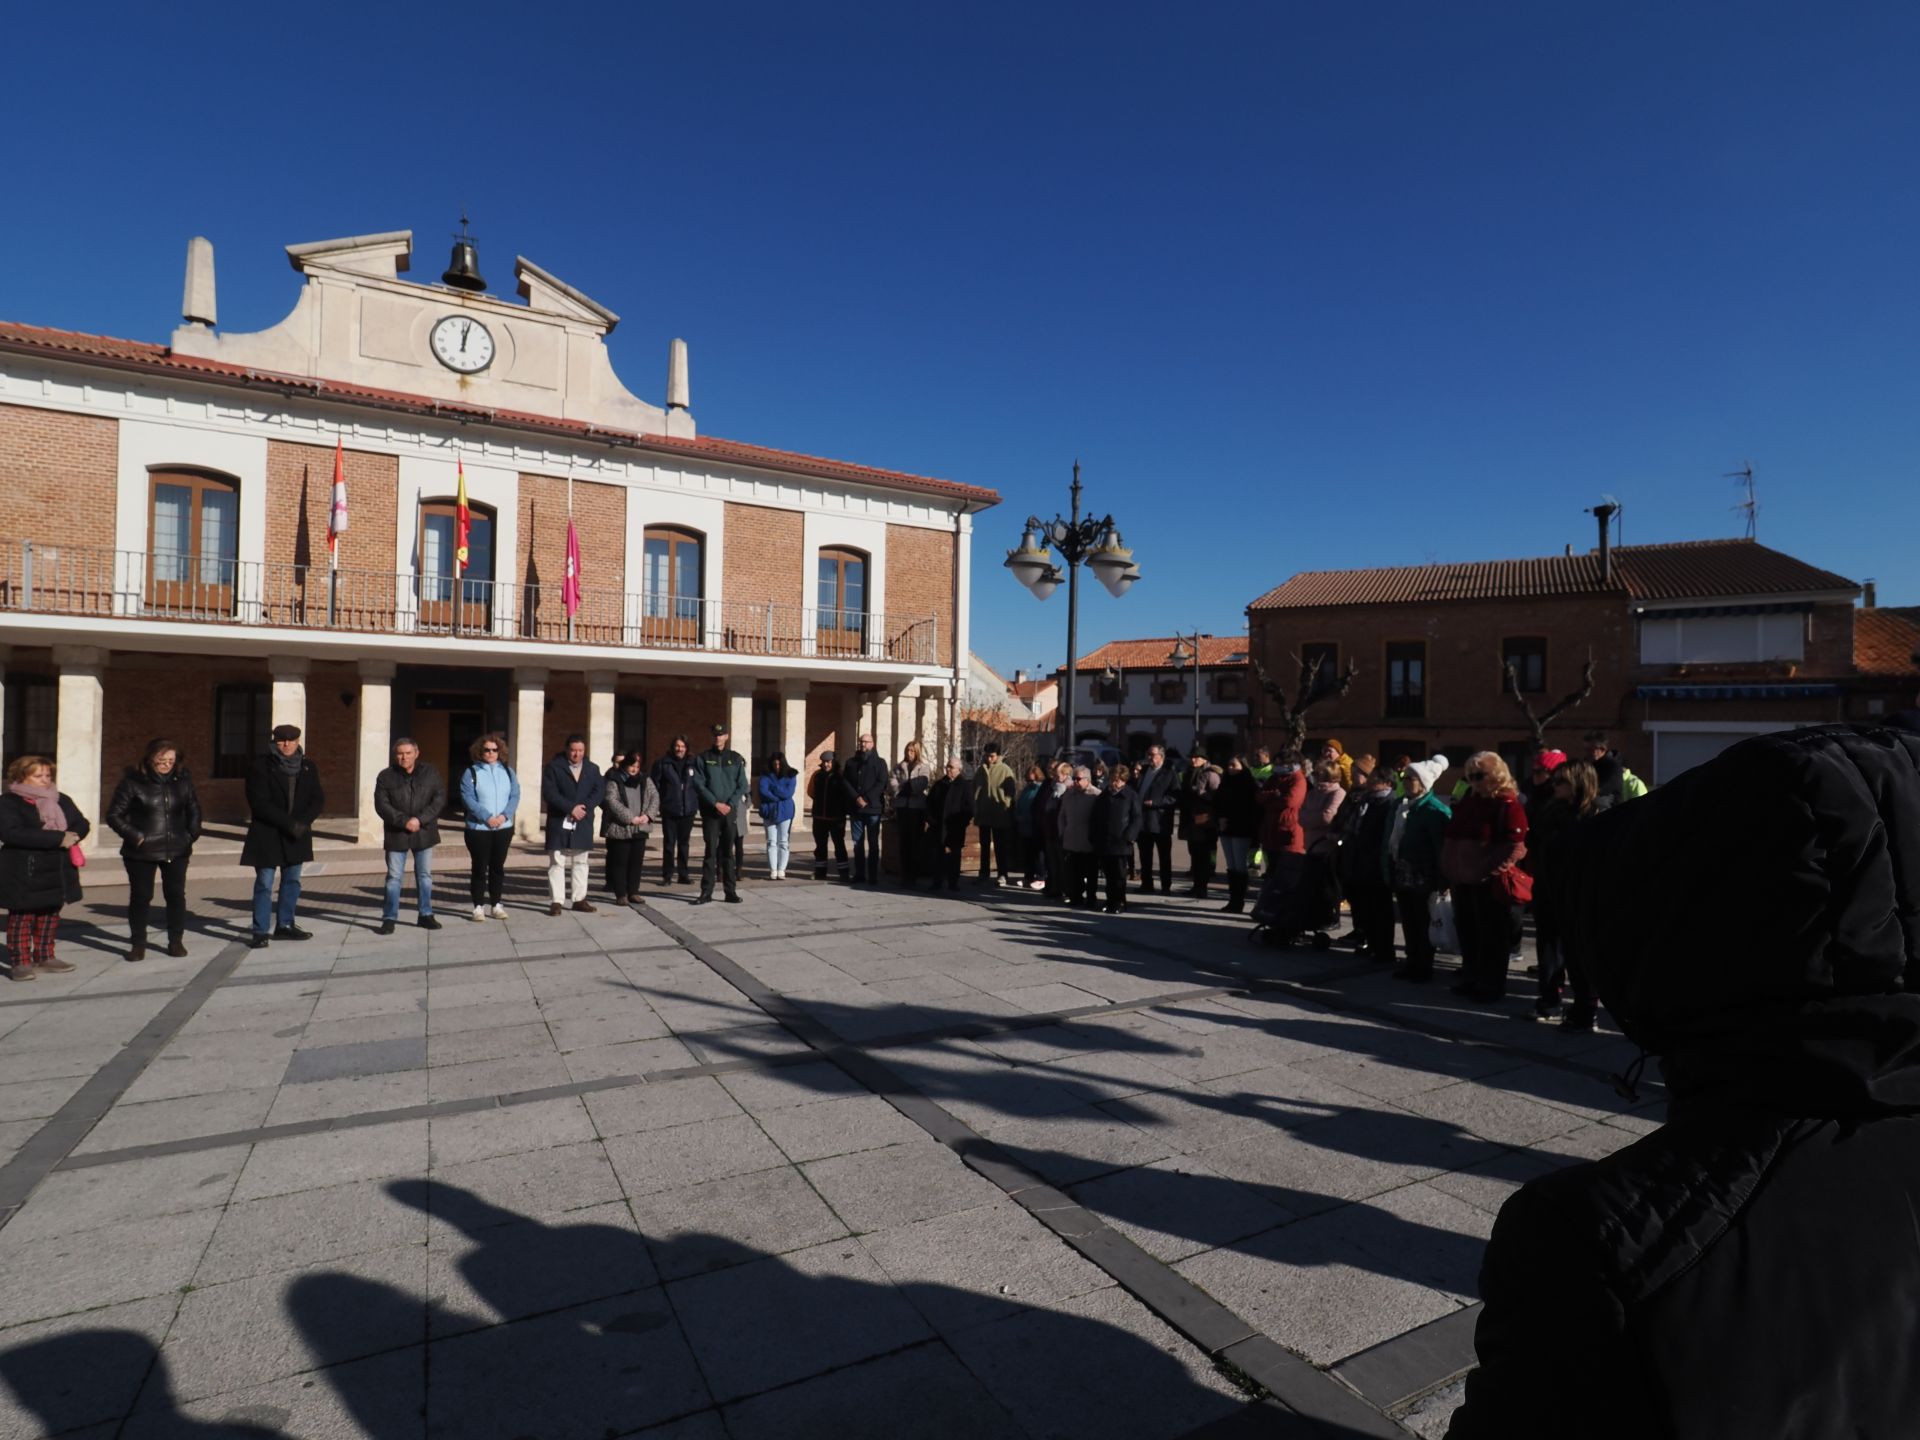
(30, 935)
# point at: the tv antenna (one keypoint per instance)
(1749, 507)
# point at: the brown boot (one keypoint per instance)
(58, 967)
(176, 947)
(553, 909)
(137, 951)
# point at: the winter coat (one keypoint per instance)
(1076, 820)
(1238, 805)
(910, 784)
(1749, 1269)
(775, 793)
(1317, 812)
(1023, 807)
(280, 831)
(629, 797)
(399, 797)
(1116, 821)
(157, 817)
(720, 778)
(488, 789)
(1361, 862)
(1159, 789)
(1280, 801)
(1413, 863)
(559, 793)
(1046, 812)
(994, 787)
(1549, 829)
(673, 777)
(1618, 784)
(950, 800)
(1197, 816)
(828, 793)
(1486, 833)
(36, 872)
(864, 777)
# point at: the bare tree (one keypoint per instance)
(982, 725)
(1537, 723)
(1308, 692)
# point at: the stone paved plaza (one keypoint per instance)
(829, 1162)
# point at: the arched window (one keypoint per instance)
(193, 542)
(672, 585)
(842, 601)
(455, 597)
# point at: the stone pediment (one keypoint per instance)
(356, 321)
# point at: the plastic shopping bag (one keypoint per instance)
(1441, 928)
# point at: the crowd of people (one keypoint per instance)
(1375, 837)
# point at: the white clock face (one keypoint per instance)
(462, 343)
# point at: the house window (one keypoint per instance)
(450, 601)
(672, 585)
(1406, 680)
(630, 726)
(1169, 692)
(193, 539)
(1526, 656)
(1723, 639)
(1108, 690)
(1327, 652)
(842, 600)
(1229, 688)
(32, 716)
(242, 720)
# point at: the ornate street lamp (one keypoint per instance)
(1189, 655)
(1093, 543)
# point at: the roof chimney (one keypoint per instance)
(196, 304)
(677, 375)
(1604, 513)
(1869, 594)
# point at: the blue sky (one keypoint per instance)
(1303, 287)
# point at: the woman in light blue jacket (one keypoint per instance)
(490, 793)
(775, 794)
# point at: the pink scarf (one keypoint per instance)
(46, 799)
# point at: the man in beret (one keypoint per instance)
(720, 780)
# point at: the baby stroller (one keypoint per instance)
(1300, 896)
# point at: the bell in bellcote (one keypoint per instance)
(463, 272)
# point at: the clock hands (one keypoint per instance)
(464, 330)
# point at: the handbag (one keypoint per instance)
(1513, 885)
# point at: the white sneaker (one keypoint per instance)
(479, 912)
(499, 912)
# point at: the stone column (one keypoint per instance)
(290, 692)
(376, 744)
(529, 744)
(846, 730)
(600, 688)
(793, 741)
(927, 725)
(6, 654)
(82, 703)
(883, 729)
(739, 714)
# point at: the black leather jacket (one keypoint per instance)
(157, 817)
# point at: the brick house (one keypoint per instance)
(1695, 645)
(1133, 693)
(164, 559)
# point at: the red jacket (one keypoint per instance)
(1486, 833)
(1280, 801)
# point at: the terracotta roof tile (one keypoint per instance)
(1216, 652)
(1687, 570)
(1029, 689)
(1885, 643)
(140, 356)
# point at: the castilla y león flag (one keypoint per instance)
(337, 518)
(462, 522)
(570, 588)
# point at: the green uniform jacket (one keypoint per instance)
(720, 778)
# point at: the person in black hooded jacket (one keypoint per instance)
(1751, 1268)
(156, 813)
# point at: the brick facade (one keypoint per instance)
(600, 521)
(60, 477)
(920, 580)
(764, 562)
(299, 496)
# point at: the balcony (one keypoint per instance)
(131, 585)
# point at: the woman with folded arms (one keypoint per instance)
(40, 829)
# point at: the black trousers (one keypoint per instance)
(996, 841)
(1372, 907)
(487, 849)
(953, 844)
(1556, 970)
(1160, 845)
(913, 844)
(173, 887)
(824, 829)
(676, 831)
(1200, 850)
(716, 841)
(626, 863)
(1033, 855)
(1416, 929)
(1488, 928)
(1058, 870)
(1083, 876)
(1113, 869)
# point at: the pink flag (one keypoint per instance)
(337, 516)
(570, 587)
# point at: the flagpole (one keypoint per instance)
(576, 582)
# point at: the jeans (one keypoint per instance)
(1237, 850)
(559, 862)
(866, 846)
(626, 863)
(779, 834)
(173, 885)
(678, 832)
(263, 908)
(422, 882)
(487, 849)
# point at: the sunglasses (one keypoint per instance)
(1476, 774)
(489, 749)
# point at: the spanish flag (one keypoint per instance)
(462, 523)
